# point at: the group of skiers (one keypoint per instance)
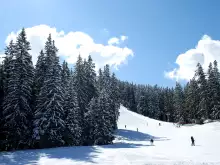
(152, 140)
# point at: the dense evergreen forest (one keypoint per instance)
(51, 105)
(196, 102)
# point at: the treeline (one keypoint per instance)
(195, 102)
(50, 105)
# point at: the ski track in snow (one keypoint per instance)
(171, 146)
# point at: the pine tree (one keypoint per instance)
(80, 81)
(40, 72)
(203, 93)
(161, 104)
(153, 102)
(179, 103)
(100, 82)
(169, 104)
(90, 85)
(8, 65)
(39, 76)
(90, 119)
(65, 74)
(49, 115)
(191, 100)
(106, 76)
(73, 117)
(131, 98)
(115, 100)
(142, 106)
(17, 111)
(214, 90)
(101, 132)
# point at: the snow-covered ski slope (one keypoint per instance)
(171, 146)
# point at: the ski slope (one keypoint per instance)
(171, 146)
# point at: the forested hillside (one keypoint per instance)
(197, 101)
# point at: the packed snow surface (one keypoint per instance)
(172, 146)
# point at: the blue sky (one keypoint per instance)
(158, 31)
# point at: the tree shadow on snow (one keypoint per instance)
(82, 153)
(124, 145)
(131, 135)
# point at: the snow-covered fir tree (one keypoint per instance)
(80, 81)
(203, 93)
(39, 76)
(40, 72)
(8, 64)
(142, 106)
(179, 103)
(115, 97)
(169, 105)
(191, 101)
(101, 131)
(214, 90)
(49, 123)
(90, 84)
(17, 111)
(100, 81)
(65, 74)
(73, 134)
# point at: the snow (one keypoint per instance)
(171, 146)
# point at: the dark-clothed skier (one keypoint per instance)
(193, 141)
(151, 141)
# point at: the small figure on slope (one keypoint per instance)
(151, 141)
(125, 126)
(193, 141)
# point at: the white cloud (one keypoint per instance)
(206, 51)
(113, 40)
(72, 44)
(123, 38)
(116, 40)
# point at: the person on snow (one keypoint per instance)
(125, 126)
(193, 141)
(152, 141)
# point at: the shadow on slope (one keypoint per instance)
(130, 135)
(84, 153)
(124, 145)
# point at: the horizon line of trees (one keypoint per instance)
(50, 105)
(195, 102)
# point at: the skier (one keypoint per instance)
(159, 124)
(125, 126)
(151, 141)
(193, 141)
